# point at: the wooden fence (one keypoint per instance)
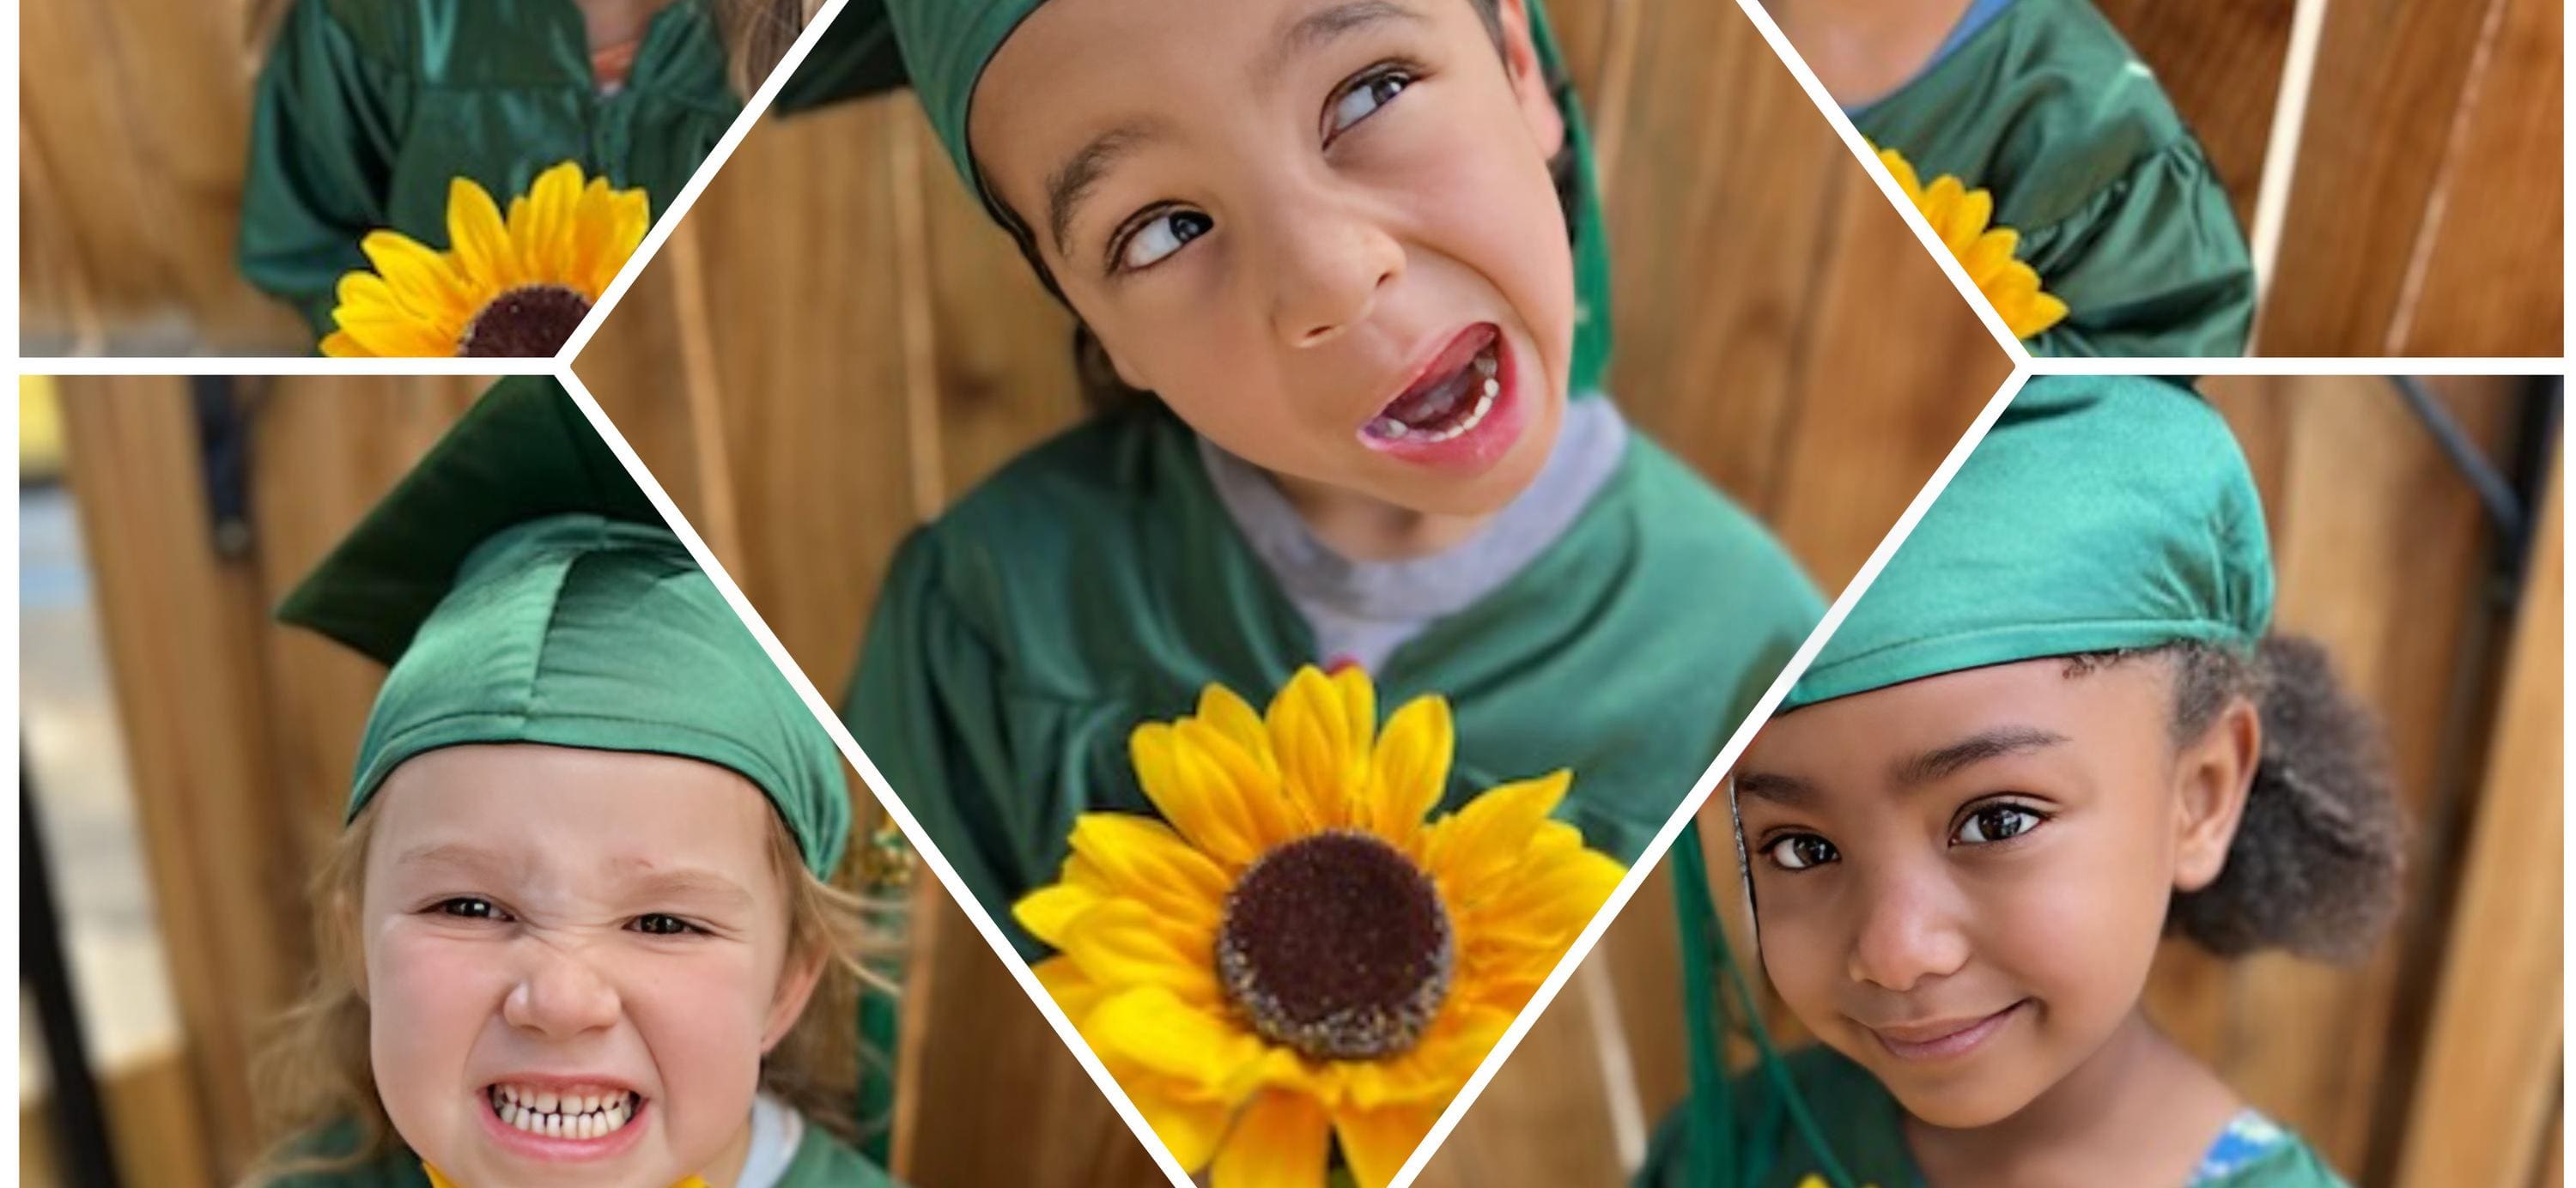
(2427, 179)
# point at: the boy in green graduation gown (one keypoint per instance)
(2043, 105)
(578, 929)
(367, 109)
(1356, 255)
(2053, 731)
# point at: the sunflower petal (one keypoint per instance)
(479, 239)
(1906, 179)
(1202, 1051)
(1412, 767)
(1466, 850)
(1196, 792)
(1322, 741)
(1191, 1126)
(1048, 911)
(1278, 1141)
(543, 227)
(1377, 1142)
(1122, 943)
(423, 279)
(1142, 857)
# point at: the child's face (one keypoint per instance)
(545, 921)
(1314, 228)
(1960, 882)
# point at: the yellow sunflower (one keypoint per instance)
(1959, 216)
(1299, 956)
(515, 288)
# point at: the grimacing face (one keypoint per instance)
(1959, 882)
(1323, 231)
(575, 960)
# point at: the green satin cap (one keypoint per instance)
(2101, 513)
(524, 590)
(945, 45)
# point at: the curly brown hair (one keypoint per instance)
(2316, 862)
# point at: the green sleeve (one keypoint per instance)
(324, 121)
(929, 708)
(2152, 265)
(393, 1167)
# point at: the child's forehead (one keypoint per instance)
(618, 811)
(1922, 730)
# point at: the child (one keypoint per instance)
(1354, 252)
(366, 109)
(2042, 104)
(578, 929)
(2054, 730)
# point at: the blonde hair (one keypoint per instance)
(756, 34)
(316, 1072)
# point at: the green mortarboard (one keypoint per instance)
(2101, 513)
(523, 589)
(940, 47)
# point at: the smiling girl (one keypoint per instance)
(2054, 731)
(1353, 251)
(579, 928)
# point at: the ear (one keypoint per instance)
(2211, 779)
(1528, 78)
(796, 985)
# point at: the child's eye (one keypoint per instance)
(470, 907)
(1364, 98)
(1799, 851)
(657, 924)
(1995, 823)
(1161, 236)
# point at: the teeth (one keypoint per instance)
(1485, 365)
(575, 1116)
(1474, 417)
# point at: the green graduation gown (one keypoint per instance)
(821, 1161)
(1866, 1130)
(2117, 206)
(1097, 583)
(367, 108)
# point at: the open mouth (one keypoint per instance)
(590, 1112)
(1452, 396)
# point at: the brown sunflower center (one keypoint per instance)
(1336, 945)
(528, 322)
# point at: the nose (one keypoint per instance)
(1909, 933)
(1332, 259)
(559, 993)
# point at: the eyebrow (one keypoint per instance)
(1976, 748)
(1072, 182)
(1790, 791)
(1784, 790)
(647, 884)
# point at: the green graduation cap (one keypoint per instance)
(2100, 513)
(940, 49)
(523, 589)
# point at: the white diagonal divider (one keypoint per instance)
(1708, 780)
(923, 847)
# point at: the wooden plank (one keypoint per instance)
(182, 628)
(2483, 1099)
(155, 1128)
(2489, 284)
(2381, 119)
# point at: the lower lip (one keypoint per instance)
(1481, 446)
(561, 1150)
(1957, 1043)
